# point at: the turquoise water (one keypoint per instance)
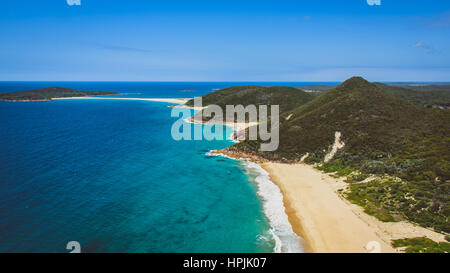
(107, 173)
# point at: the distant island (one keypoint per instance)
(50, 93)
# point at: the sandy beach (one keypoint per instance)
(317, 212)
(169, 100)
(327, 221)
(238, 127)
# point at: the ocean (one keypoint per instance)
(107, 174)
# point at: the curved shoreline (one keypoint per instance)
(328, 221)
(274, 207)
(286, 240)
(318, 214)
(324, 218)
(272, 198)
(316, 211)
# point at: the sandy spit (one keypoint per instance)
(172, 100)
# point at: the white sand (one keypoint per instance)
(238, 127)
(327, 221)
(176, 101)
(336, 146)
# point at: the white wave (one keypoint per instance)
(218, 154)
(286, 240)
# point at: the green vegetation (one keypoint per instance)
(287, 97)
(427, 87)
(424, 95)
(338, 167)
(317, 88)
(419, 198)
(390, 199)
(433, 95)
(376, 199)
(400, 189)
(422, 245)
(50, 93)
(384, 135)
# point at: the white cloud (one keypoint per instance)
(427, 47)
(73, 2)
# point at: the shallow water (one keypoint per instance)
(107, 173)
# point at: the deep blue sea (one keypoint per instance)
(108, 174)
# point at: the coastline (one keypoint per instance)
(169, 100)
(316, 212)
(323, 218)
(239, 128)
(274, 207)
(315, 209)
(269, 193)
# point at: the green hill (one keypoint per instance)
(425, 95)
(432, 96)
(369, 119)
(287, 97)
(383, 135)
(49, 93)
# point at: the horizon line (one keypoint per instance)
(249, 81)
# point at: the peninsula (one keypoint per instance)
(359, 163)
(50, 93)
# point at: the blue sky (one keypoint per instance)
(215, 40)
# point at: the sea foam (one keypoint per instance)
(286, 241)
